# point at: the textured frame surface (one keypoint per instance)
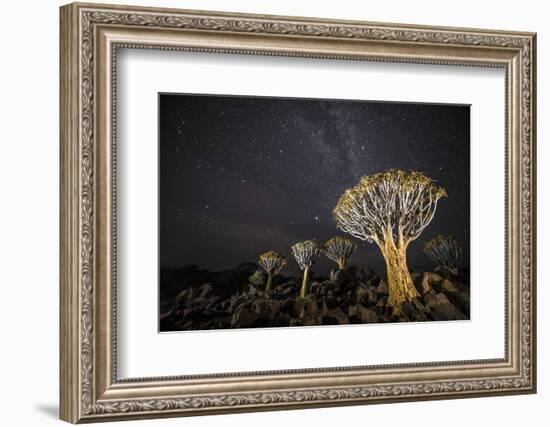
(90, 36)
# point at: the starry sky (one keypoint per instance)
(243, 175)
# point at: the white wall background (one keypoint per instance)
(29, 170)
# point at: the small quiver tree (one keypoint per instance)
(445, 252)
(339, 250)
(305, 253)
(272, 262)
(390, 209)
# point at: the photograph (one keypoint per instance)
(292, 212)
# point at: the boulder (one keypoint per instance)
(309, 308)
(448, 286)
(238, 302)
(461, 300)
(264, 319)
(366, 294)
(282, 319)
(363, 314)
(381, 302)
(252, 291)
(243, 318)
(351, 270)
(315, 288)
(432, 298)
(285, 290)
(446, 312)
(205, 290)
(212, 303)
(441, 308)
(334, 317)
(341, 277)
(330, 303)
(414, 311)
(370, 277)
(260, 305)
(429, 279)
(275, 308)
(296, 322)
(311, 321)
(287, 305)
(185, 296)
(382, 287)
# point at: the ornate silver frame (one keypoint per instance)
(90, 36)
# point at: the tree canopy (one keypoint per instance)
(393, 205)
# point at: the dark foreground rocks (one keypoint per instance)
(346, 298)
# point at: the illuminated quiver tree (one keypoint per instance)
(445, 252)
(339, 250)
(390, 209)
(272, 262)
(305, 253)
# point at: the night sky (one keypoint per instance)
(243, 175)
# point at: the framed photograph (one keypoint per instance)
(283, 181)
(266, 212)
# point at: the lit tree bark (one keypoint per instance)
(303, 289)
(402, 287)
(269, 281)
(390, 209)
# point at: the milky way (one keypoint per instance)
(243, 175)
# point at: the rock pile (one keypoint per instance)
(345, 298)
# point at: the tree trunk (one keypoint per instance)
(304, 283)
(269, 281)
(400, 284)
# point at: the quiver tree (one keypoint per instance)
(339, 250)
(444, 251)
(390, 209)
(272, 262)
(305, 253)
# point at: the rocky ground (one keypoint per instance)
(236, 299)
